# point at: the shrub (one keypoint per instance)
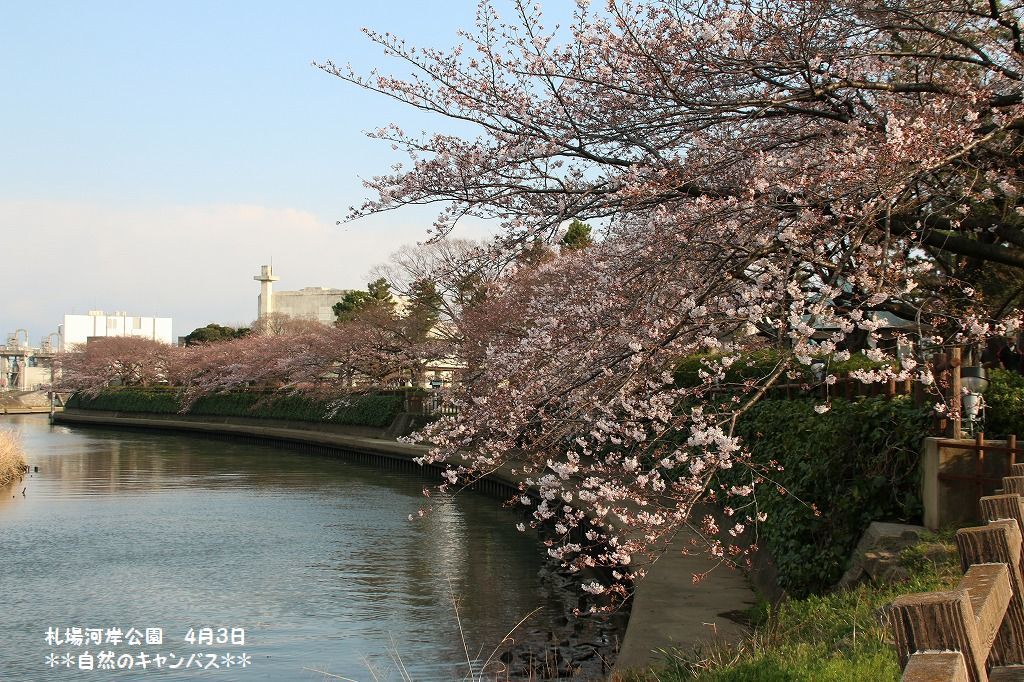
(855, 464)
(1004, 398)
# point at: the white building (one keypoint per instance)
(310, 303)
(78, 329)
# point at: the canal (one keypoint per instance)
(296, 563)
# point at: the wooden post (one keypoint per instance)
(930, 666)
(998, 507)
(940, 372)
(938, 621)
(991, 592)
(918, 394)
(999, 543)
(955, 390)
(1013, 485)
(1006, 673)
(1011, 444)
(980, 464)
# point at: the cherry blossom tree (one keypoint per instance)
(782, 168)
(309, 358)
(284, 355)
(114, 361)
(276, 324)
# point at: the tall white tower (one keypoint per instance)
(266, 279)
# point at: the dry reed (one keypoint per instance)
(12, 459)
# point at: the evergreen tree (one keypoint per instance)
(377, 295)
(577, 236)
(424, 308)
(212, 333)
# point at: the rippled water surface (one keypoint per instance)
(313, 556)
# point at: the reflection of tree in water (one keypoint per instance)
(362, 545)
(480, 559)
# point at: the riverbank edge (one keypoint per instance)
(669, 611)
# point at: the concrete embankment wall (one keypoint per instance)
(24, 402)
(362, 444)
(668, 610)
(28, 410)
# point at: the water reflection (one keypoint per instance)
(312, 555)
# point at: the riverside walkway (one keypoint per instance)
(668, 612)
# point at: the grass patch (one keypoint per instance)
(835, 637)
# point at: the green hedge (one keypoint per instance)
(1004, 413)
(360, 410)
(856, 464)
(153, 400)
(1004, 398)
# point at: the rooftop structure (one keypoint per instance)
(266, 300)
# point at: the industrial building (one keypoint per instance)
(310, 303)
(78, 329)
(22, 367)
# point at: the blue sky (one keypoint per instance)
(155, 154)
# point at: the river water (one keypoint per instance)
(299, 564)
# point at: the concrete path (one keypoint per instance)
(671, 612)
